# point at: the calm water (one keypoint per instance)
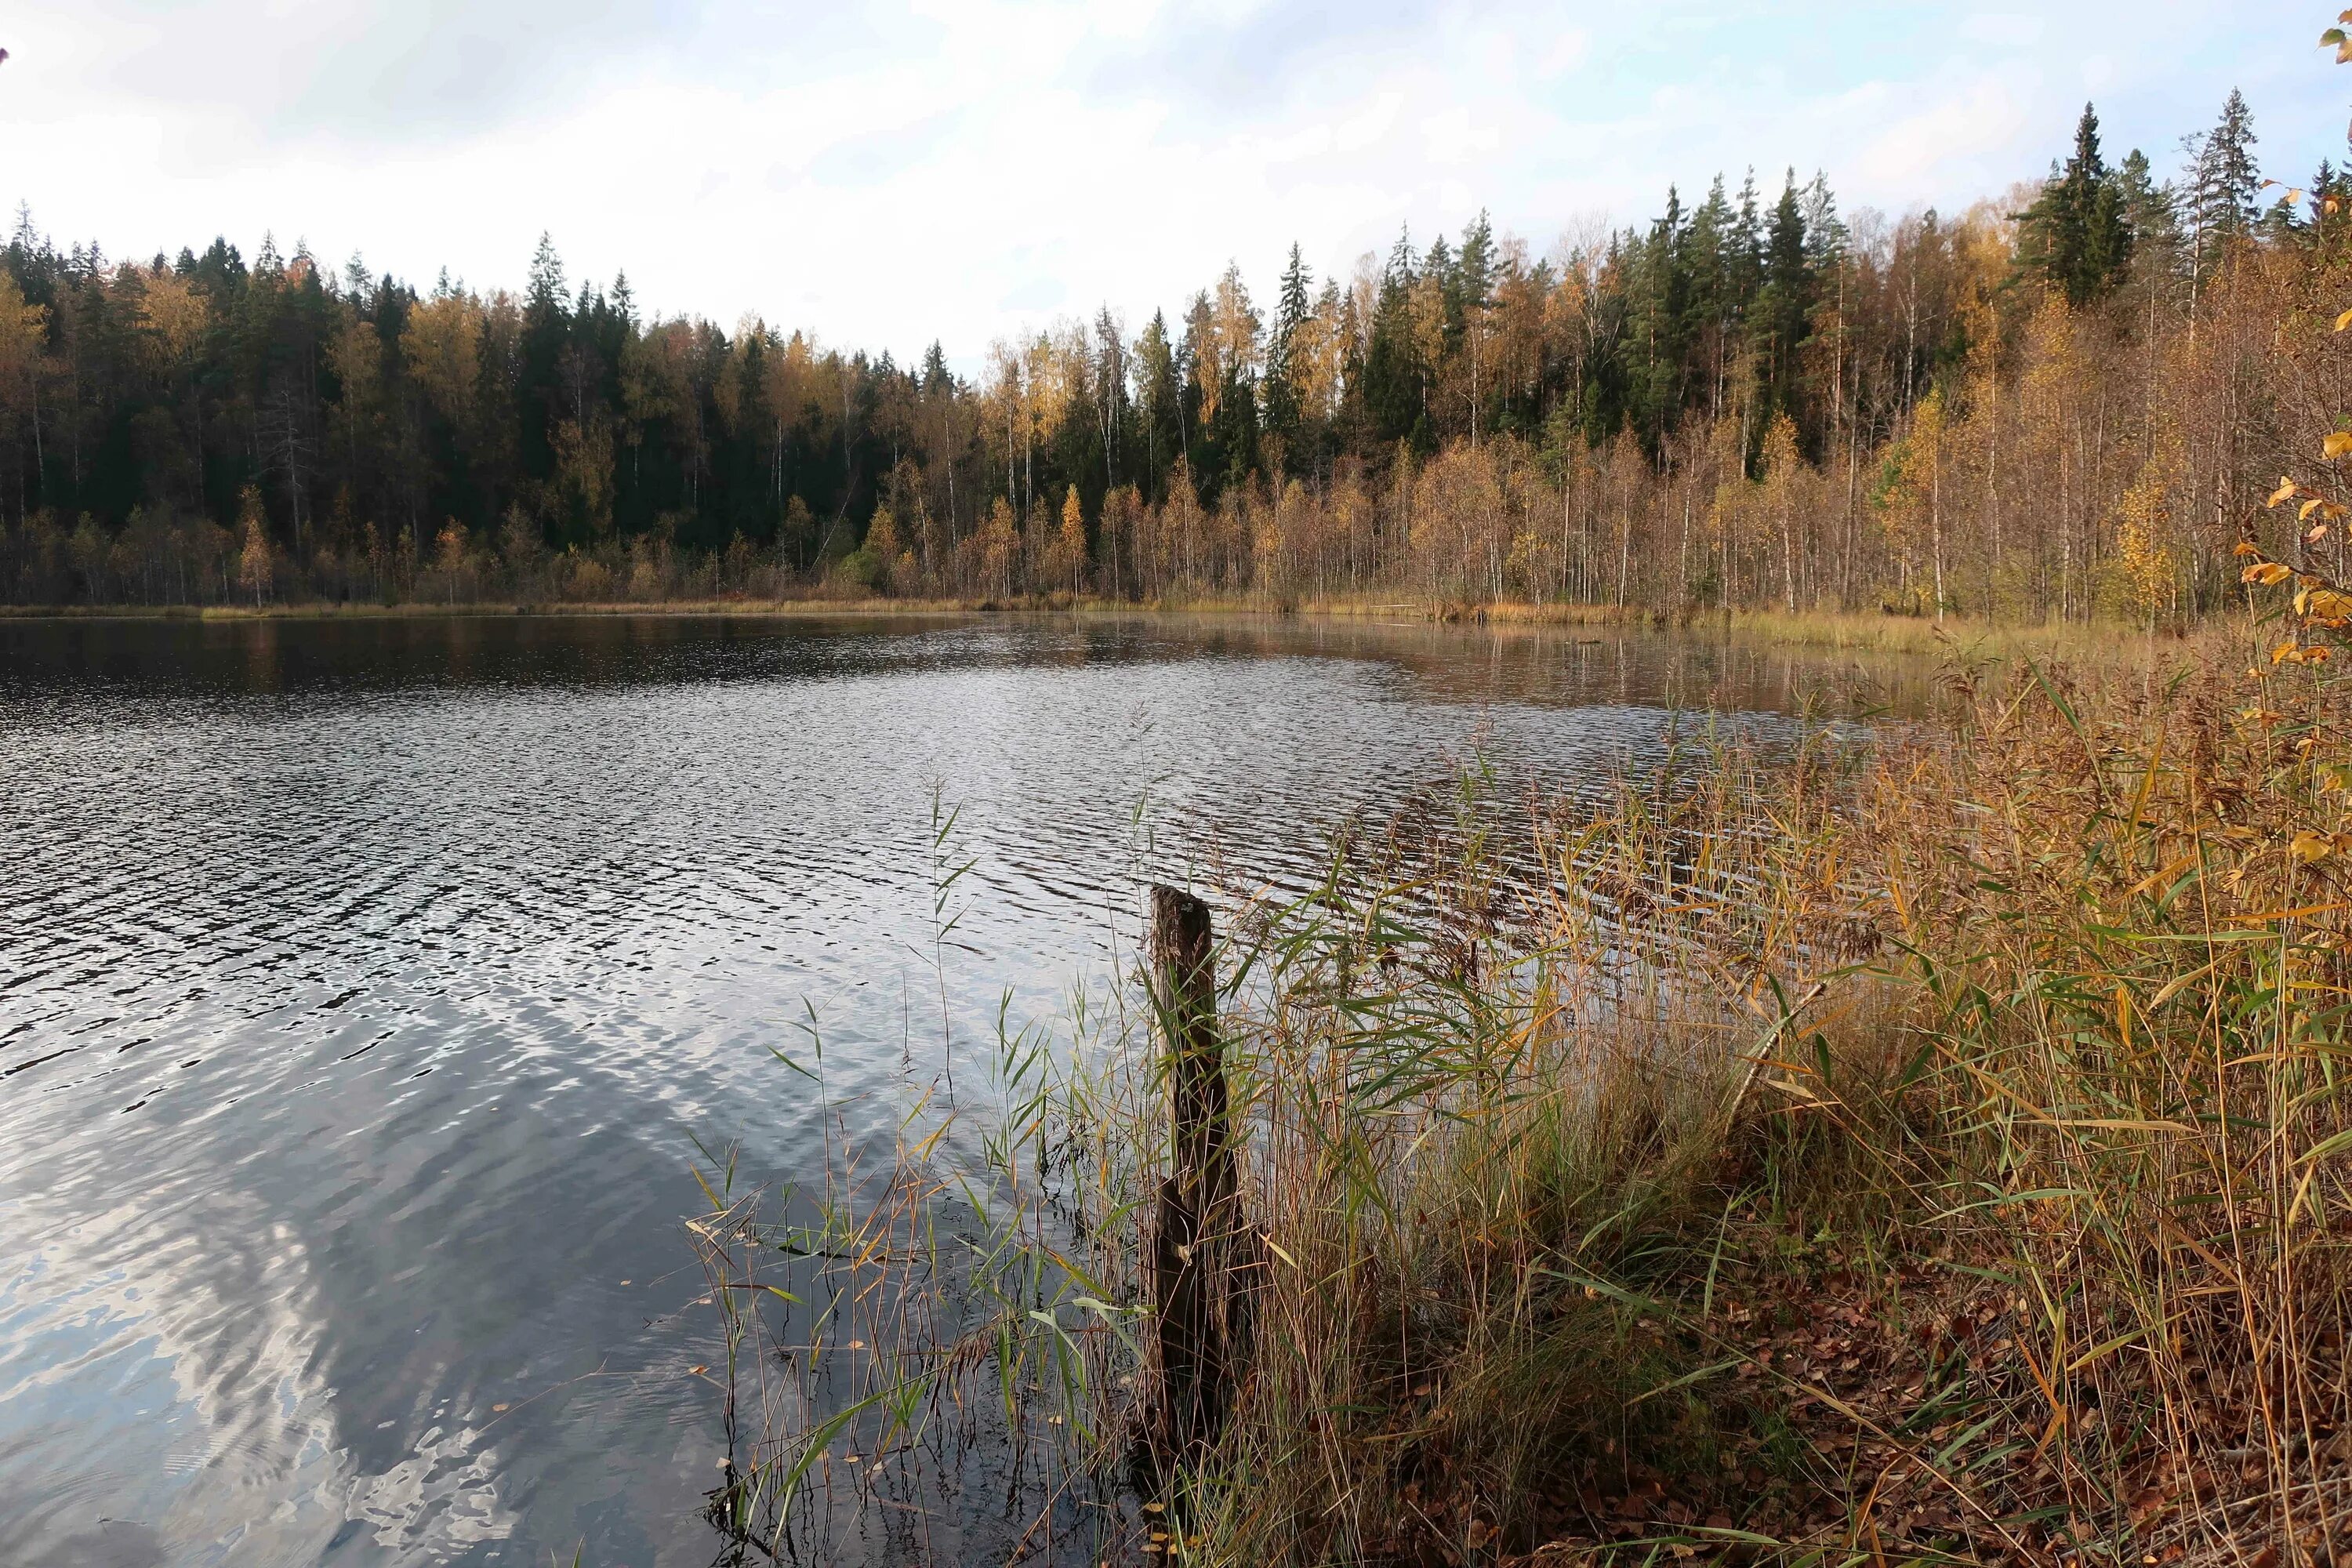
(361, 983)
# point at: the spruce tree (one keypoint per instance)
(1784, 306)
(2222, 184)
(2151, 216)
(1281, 382)
(1392, 366)
(1747, 248)
(2076, 237)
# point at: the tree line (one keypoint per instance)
(2052, 404)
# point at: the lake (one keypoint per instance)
(364, 983)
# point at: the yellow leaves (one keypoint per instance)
(2245, 547)
(2311, 847)
(2324, 603)
(2286, 491)
(442, 347)
(176, 314)
(2297, 653)
(2344, 320)
(2339, 442)
(2269, 573)
(2340, 41)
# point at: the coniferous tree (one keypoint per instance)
(1392, 358)
(2223, 182)
(2076, 237)
(1373, 433)
(1282, 402)
(1784, 305)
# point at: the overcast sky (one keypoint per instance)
(884, 173)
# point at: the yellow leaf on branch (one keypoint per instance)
(2269, 573)
(2328, 602)
(2286, 491)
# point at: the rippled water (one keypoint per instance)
(360, 985)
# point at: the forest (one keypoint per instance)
(2065, 403)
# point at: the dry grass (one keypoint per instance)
(1957, 636)
(1931, 1152)
(1929, 1148)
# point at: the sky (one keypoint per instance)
(885, 174)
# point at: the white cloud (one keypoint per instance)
(2008, 29)
(885, 174)
(1970, 119)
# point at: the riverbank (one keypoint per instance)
(1931, 1152)
(1834, 631)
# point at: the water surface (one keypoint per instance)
(362, 983)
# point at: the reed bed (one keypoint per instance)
(1922, 1145)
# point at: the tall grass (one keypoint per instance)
(1929, 1145)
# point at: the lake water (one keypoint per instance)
(362, 985)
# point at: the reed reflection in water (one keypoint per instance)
(362, 981)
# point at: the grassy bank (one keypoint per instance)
(1930, 1147)
(1935, 1151)
(1840, 631)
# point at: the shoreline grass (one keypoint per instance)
(1932, 1153)
(1932, 1147)
(1837, 631)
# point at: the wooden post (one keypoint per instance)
(1195, 1289)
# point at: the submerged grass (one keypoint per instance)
(1927, 1146)
(1930, 1149)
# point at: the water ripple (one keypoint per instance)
(364, 981)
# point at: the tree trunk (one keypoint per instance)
(1198, 1260)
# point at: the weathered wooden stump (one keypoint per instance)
(1200, 1258)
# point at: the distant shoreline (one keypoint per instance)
(1837, 631)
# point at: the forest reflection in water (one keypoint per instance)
(364, 979)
